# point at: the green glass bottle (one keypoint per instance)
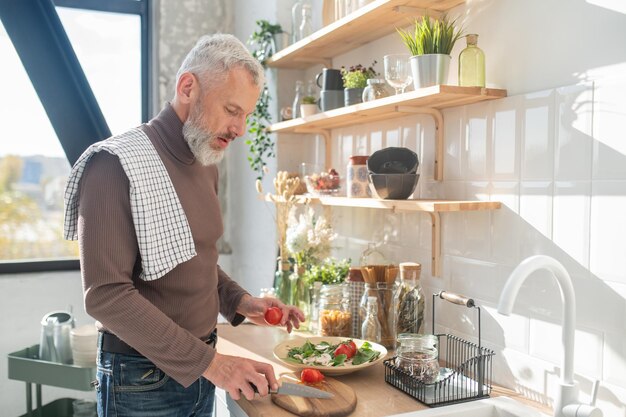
(472, 64)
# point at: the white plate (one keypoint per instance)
(281, 350)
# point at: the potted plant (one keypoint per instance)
(430, 45)
(354, 81)
(260, 144)
(308, 106)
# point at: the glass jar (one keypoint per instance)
(417, 354)
(335, 318)
(409, 299)
(376, 88)
(472, 64)
(357, 184)
(297, 100)
(383, 293)
(373, 256)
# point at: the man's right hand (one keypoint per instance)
(234, 375)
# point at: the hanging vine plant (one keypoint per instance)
(260, 144)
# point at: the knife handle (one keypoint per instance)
(256, 390)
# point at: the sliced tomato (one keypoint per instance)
(273, 315)
(311, 376)
(344, 349)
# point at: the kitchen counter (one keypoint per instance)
(257, 342)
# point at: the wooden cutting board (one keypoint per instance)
(342, 404)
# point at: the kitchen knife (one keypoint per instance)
(299, 390)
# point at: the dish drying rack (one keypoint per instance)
(467, 374)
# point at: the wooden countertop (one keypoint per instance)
(257, 342)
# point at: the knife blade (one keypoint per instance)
(299, 390)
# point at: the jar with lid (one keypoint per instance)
(383, 294)
(356, 179)
(335, 318)
(417, 354)
(376, 88)
(409, 299)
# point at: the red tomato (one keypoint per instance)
(311, 376)
(352, 347)
(344, 349)
(273, 315)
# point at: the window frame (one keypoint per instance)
(14, 9)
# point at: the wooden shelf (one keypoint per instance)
(428, 100)
(432, 207)
(435, 97)
(366, 24)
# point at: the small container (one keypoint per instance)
(335, 318)
(376, 88)
(356, 179)
(417, 354)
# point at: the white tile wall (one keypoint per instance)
(563, 194)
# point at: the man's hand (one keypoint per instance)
(254, 309)
(234, 375)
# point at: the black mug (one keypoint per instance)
(330, 79)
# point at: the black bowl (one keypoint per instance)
(393, 160)
(393, 186)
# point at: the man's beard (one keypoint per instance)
(200, 139)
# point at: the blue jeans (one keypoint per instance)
(132, 386)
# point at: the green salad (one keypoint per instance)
(327, 354)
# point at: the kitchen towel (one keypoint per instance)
(163, 232)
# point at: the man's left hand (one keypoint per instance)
(254, 309)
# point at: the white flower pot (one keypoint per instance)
(430, 69)
(308, 109)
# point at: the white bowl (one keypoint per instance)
(281, 350)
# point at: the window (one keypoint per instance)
(110, 42)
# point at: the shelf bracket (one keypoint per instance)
(435, 243)
(417, 11)
(438, 118)
(327, 144)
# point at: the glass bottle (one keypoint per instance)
(282, 282)
(373, 256)
(409, 300)
(300, 295)
(382, 293)
(376, 88)
(297, 100)
(472, 64)
(306, 25)
(316, 289)
(418, 354)
(370, 330)
(335, 318)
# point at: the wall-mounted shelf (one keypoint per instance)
(428, 100)
(366, 24)
(432, 207)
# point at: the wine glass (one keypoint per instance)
(398, 71)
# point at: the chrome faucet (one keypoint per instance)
(566, 403)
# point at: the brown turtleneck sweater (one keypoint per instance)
(164, 319)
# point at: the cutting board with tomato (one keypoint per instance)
(342, 404)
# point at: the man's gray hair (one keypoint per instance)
(214, 56)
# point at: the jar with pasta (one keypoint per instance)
(335, 318)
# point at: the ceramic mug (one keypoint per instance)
(330, 99)
(330, 79)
